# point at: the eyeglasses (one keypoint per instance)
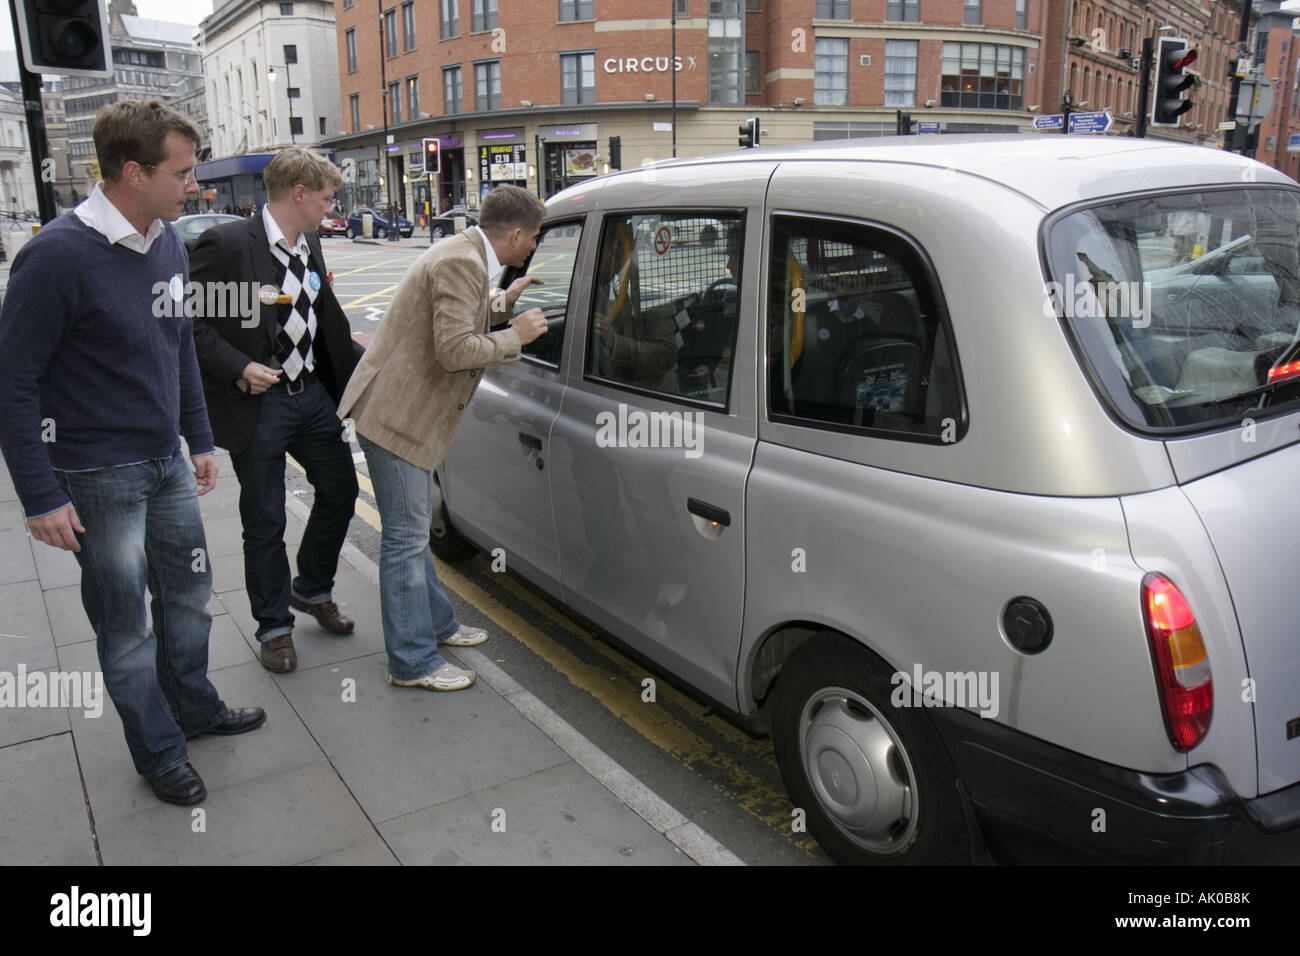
(184, 178)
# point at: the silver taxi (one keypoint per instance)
(967, 468)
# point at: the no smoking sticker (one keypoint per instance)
(663, 239)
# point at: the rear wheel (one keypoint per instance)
(349, 233)
(379, 232)
(874, 779)
(438, 232)
(447, 543)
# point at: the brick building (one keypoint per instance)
(532, 93)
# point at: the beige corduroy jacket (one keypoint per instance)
(411, 387)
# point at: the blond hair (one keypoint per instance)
(296, 165)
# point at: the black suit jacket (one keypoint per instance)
(239, 252)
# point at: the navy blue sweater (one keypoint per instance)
(94, 376)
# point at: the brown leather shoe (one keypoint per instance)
(278, 654)
(326, 613)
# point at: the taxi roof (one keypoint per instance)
(1050, 170)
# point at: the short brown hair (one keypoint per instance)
(296, 165)
(135, 130)
(510, 207)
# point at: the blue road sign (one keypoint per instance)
(1094, 122)
(927, 127)
(1050, 121)
(1293, 143)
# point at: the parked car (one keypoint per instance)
(191, 227)
(445, 224)
(333, 225)
(966, 467)
(381, 224)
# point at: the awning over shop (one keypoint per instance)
(251, 165)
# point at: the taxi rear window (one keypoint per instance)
(1184, 306)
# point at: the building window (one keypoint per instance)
(726, 53)
(681, 8)
(577, 10)
(578, 78)
(973, 13)
(408, 26)
(294, 93)
(295, 126)
(286, 9)
(833, 9)
(484, 14)
(753, 85)
(900, 72)
(394, 102)
(831, 71)
(909, 10)
(290, 53)
(451, 89)
(487, 85)
(390, 33)
(413, 97)
(983, 76)
(347, 4)
(753, 6)
(322, 126)
(450, 18)
(354, 101)
(351, 37)
(1021, 14)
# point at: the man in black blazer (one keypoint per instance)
(273, 371)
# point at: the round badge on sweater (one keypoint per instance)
(313, 280)
(268, 294)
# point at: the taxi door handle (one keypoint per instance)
(530, 441)
(708, 512)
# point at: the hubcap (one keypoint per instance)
(859, 770)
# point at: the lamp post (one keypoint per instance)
(270, 75)
(393, 234)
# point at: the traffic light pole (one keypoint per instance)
(1237, 139)
(1144, 86)
(35, 128)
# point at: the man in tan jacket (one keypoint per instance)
(406, 398)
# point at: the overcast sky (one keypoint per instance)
(177, 11)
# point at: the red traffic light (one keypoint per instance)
(430, 150)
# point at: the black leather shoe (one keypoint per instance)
(239, 721)
(182, 786)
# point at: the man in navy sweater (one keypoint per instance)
(101, 379)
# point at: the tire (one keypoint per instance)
(437, 232)
(349, 233)
(838, 736)
(379, 232)
(450, 546)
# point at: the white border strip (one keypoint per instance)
(688, 837)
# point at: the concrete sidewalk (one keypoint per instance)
(345, 771)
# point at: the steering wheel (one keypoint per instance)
(712, 293)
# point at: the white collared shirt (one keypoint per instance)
(494, 266)
(275, 236)
(98, 212)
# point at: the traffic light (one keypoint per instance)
(749, 133)
(904, 123)
(616, 152)
(65, 37)
(1172, 59)
(430, 154)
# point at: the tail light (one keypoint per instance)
(1182, 665)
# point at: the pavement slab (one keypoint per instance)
(43, 819)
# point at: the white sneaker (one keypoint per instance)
(466, 637)
(446, 677)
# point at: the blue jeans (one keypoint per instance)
(416, 612)
(143, 529)
(305, 426)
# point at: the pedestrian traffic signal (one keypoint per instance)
(430, 153)
(1172, 59)
(616, 152)
(749, 133)
(904, 124)
(64, 37)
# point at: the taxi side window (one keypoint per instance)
(552, 262)
(666, 301)
(855, 336)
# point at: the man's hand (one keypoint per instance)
(205, 472)
(257, 378)
(57, 528)
(530, 325)
(518, 286)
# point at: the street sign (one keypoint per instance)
(1255, 101)
(1293, 143)
(1050, 121)
(1097, 121)
(1227, 125)
(923, 127)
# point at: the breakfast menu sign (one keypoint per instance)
(502, 163)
